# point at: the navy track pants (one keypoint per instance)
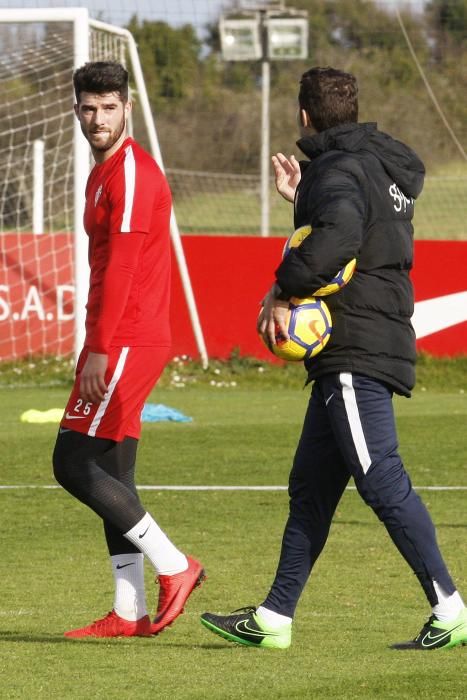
(349, 431)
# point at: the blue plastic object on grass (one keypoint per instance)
(153, 412)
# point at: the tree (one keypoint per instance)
(449, 16)
(208, 110)
(171, 60)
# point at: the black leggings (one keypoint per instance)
(101, 474)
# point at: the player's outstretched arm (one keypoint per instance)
(287, 175)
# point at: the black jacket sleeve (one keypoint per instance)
(334, 203)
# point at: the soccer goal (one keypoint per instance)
(43, 172)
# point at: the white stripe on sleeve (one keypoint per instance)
(353, 416)
(110, 390)
(130, 178)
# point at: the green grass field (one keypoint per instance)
(361, 597)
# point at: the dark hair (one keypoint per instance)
(100, 77)
(329, 96)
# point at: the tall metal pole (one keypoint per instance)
(265, 137)
(81, 167)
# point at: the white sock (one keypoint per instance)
(449, 606)
(130, 598)
(274, 620)
(154, 543)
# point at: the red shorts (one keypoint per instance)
(130, 376)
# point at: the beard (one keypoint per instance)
(113, 137)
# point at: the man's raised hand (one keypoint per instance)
(287, 175)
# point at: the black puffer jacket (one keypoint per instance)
(357, 192)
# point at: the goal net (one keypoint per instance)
(43, 171)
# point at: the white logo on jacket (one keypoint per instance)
(400, 200)
(98, 194)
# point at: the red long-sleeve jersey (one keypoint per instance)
(127, 219)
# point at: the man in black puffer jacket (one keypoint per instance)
(357, 193)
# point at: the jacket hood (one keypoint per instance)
(399, 161)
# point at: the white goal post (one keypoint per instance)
(95, 40)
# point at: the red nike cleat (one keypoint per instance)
(112, 625)
(174, 592)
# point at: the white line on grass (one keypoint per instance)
(173, 487)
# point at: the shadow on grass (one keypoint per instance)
(22, 637)
(7, 636)
(371, 523)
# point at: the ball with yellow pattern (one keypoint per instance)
(309, 326)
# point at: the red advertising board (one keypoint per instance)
(36, 294)
(229, 276)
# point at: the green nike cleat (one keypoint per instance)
(439, 635)
(245, 626)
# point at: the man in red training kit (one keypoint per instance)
(127, 219)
